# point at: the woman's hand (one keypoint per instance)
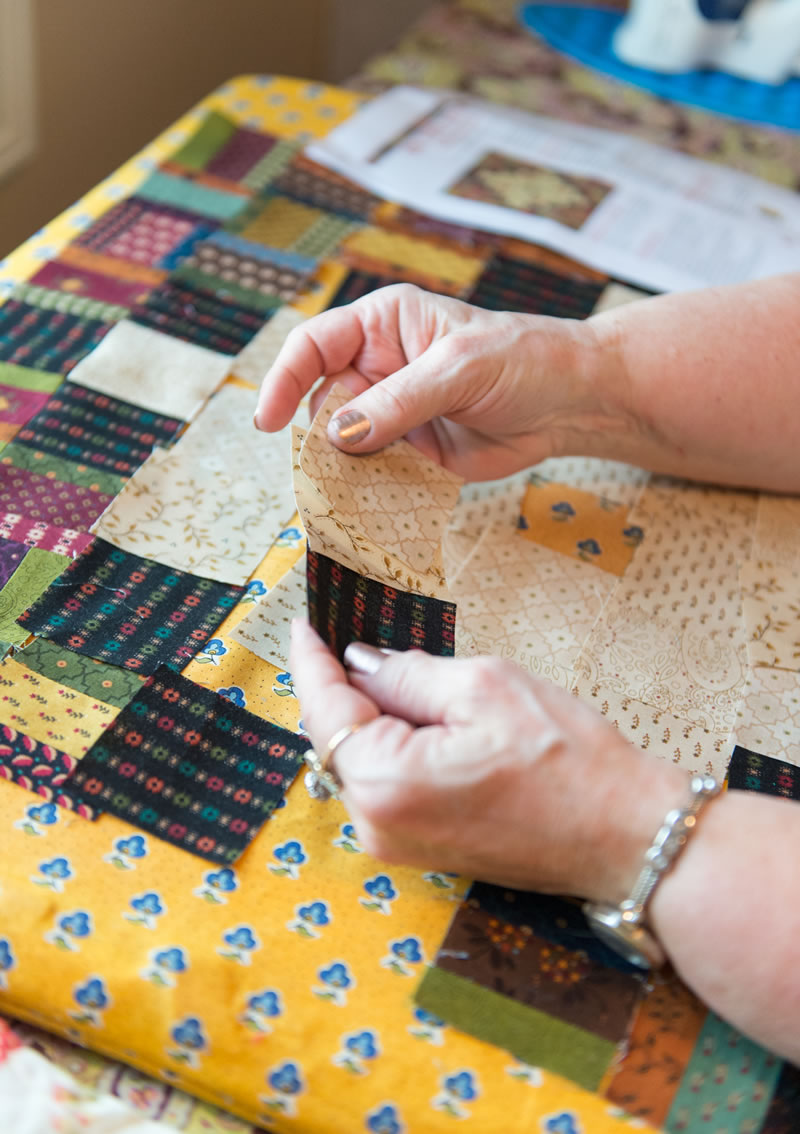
(484, 393)
(475, 767)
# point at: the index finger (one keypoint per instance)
(325, 344)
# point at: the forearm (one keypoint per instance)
(729, 916)
(704, 385)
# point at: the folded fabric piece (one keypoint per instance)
(42, 769)
(120, 608)
(61, 469)
(12, 552)
(36, 533)
(154, 371)
(35, 573)
(398, 498)
(86, 426)
(45, 340)
(266, 630)
(17, 405)
(55, 502)
(345, 607)
(750, 771)
(189, 766)
(108, 683)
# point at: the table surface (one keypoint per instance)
(715, 689)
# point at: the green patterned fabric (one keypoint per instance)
(21, 457)
(271, 165)
(108, 683)
(533, 1037)
(50, 300)
(33, 576)
(24, 378)
(215, 131)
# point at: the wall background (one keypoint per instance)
(110, 76)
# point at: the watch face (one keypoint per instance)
(632, 942)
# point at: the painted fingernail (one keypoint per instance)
(350, 426)
(365, 659)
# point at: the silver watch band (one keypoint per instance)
(623, 927)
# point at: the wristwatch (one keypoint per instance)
(624, 927)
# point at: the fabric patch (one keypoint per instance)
(750, 771)
(528, 603)
(140, 231)
(50, 712)
(249, 267)
(534, 1038)
(507, 284)
(404, 256)
(42, 769)
(243, 150)
(659, 1047)
(182, 513)
(45, 340)
(120, 608)
(12, 552)
(35, 573)
(36, 533)
(768, 715)
(75, 280)
(771, 609)
(107, 683)
(266, 630)
(24, 378)
(53, 501)
(280, 222)
(16, 407)
(85, 425)
(776, 538)
(579, 524)
(53, 300)
(697, 750)
(74, 256)
(180, 193)
(345, 607)
(551, 978)
(314, 185)
(397, 497)
(196, 315)
(612, 480)
(358, 283)
(212, 134)
(727, 1084)
(59, 469)
(252, 363)
(154, 371)
(190, 766)
(783, 1116)
(271, 165)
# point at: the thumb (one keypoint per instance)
(411, 685)
(409, 398)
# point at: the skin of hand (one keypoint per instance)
(478, 768)
(700, 384)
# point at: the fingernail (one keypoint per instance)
(350, 426)
(365, 659)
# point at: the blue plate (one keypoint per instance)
(586, 34)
